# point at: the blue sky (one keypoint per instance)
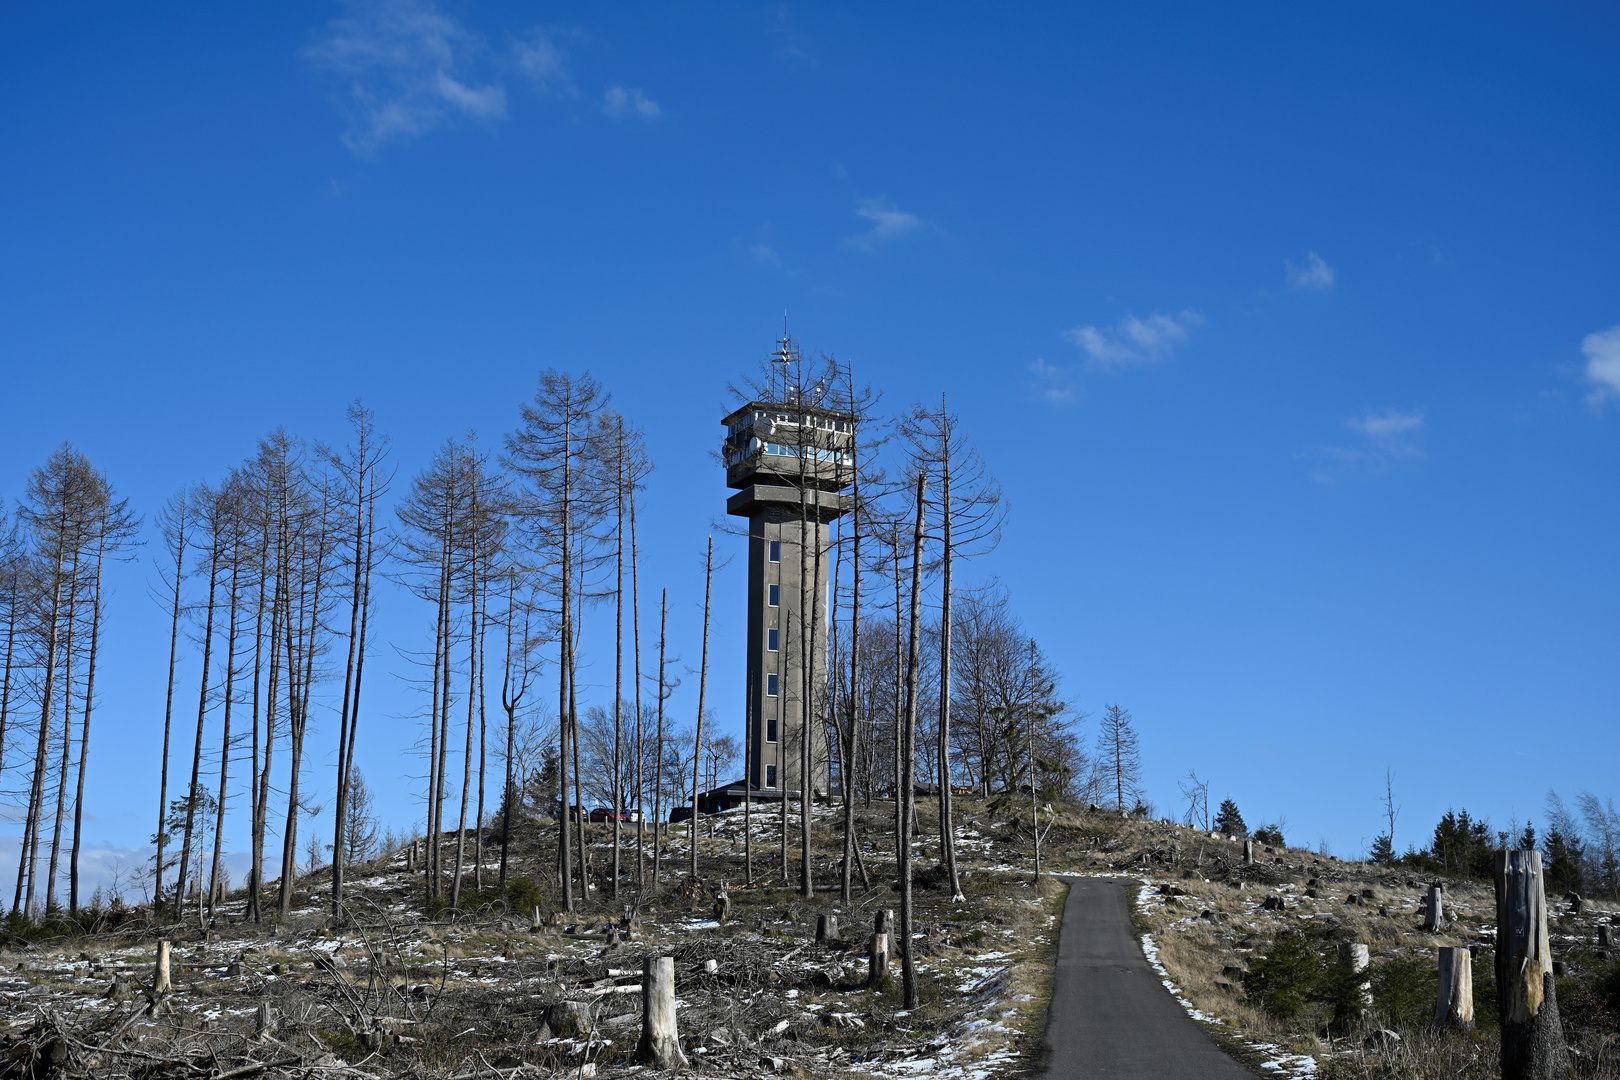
(1293, 336)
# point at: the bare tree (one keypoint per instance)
(357, 473)
(552, 452)
(908, 749)
(1119, 758)
(175, 523)
(703, 683)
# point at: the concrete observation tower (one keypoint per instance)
(789, 458)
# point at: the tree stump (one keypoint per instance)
(161, 983)
(877, 971)
(535, 922)
(1434, 913)
(1454, 1007)
(883, 922)
(1532, 1035)
(1248, 852)
(1354, 959)
(264, 1022)
(722, 905)
(1603, 935)
(826, 929)
(660, 1044)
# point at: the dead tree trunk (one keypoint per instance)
(160, 976)
(877, 971)
(908, 752)
(1434, 914)
(660, 1044)
(1532, 1036)
(703, 684)
(1455, 1006)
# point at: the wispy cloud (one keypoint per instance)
(539, 60)
(1057, 385)
(405, 67)
(1134, 341)
(765, 255)
(889, 222)
(1315, 276)
(622, 101)
(1602, 352)
(1386, 437)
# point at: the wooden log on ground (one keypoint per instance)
(826, 929)
(660, 1044)
(1454, 1007)
(877, 969)
(1434, 913)
(1532, 1035)
(161, 984)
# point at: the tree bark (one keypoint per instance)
(1532, 1035)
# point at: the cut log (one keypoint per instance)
(161, 983)
(1455, 1006)
(877, 971)
(1532, 1035)
(826, 929)
(660, 1044)
(1434, 912)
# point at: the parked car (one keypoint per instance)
(605, 813)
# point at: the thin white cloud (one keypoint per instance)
(765, 255)
(889, 222)
(540, 61)
(1315, 276)
(1386, 437)
(1055, 384)
(405, 68)
(623, 101)
(1602, 352)
(1134, 341)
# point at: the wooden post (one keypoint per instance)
(1532, 1035)
(1434, 914)
(160, 980)
(660, 1044)
(877, 971)
(1455, 1005)
(826, 929)
(1248, 851)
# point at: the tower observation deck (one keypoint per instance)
(789, 460)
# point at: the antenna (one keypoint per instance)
(787, 352)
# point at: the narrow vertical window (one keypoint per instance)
(770, 685)
(770, 730)
(770, 776)
(776, 596)
(771, 639)
(776, 551)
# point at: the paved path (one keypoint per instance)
(1110, 1015)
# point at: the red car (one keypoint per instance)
(604, 813)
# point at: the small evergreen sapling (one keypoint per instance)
(1229, 821)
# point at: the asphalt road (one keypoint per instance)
(1110, 1015)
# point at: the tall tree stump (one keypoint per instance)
(826, 929)
(1532, 1035)
(1248, 852)
(1454, 1008)
(660, 1044)
(883, 922)
(161, 983)
(1434, 913)
(1354, 959)
(1603, 935)
(877, 970)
